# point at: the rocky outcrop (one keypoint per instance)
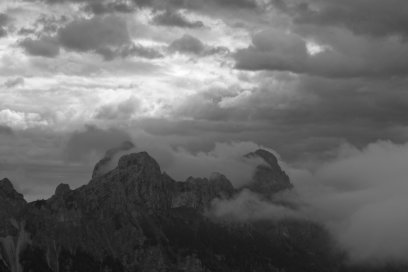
(198, 193)
(11, 203)
(62, 189)
(8, 193)
(269, 178)
(106, 162)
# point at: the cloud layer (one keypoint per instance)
(197, 82)
(360, 197)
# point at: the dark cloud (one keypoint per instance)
(89, 35)
(300, 116)
(92, 142)
(44, 46)
(4, 19)
(49, 24)
(129, 50)
(176, 19)
(5, 130)
(341, 54)
(126, 6)
(188, 44)
(13, 82)
(141, 51)
(237, 3)
(371, 17)
(26, 31)
(3, 32)
(97, 7)
(198, 4)
(274, 50)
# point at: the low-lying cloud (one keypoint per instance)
(248, 206)
(361, 197)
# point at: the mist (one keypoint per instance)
(360, 196)
(249, 206)
(225, 158)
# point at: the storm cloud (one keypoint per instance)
(99, 34)
(44, 46)
(92, 142)
(353, 57)
(376, 18)
(4, 19)
(5, 130)
(197, 83)
(175, 19)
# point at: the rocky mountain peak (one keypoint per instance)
(136, 218)
(102, 165)
(62, 189)
(138, 161)
(11, 203)
(268, 157)
(7, 191)
(269, 178)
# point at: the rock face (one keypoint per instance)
(137, 218)
(62, 189)
(268, 178)
(11, 203)
(102, 166)
(197, 193)
(8, 193)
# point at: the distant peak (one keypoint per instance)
(216, 176)
(108, 161)
(268, 178)
(6, 186)
(139, 160)
(6, 182)
(7, 190)
(62, 189)
(266, 156)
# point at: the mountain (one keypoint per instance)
(268, 178)
(137, 218)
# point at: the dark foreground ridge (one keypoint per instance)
(137, 218)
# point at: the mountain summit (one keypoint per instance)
(135, 217)
(268, 178)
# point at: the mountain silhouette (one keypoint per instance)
(135, 217)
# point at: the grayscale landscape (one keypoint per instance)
(203, 135)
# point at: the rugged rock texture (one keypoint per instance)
(11, 203)
(62, 189)
(137, 218)
(269, 178)
(106, 162)
(197, 193)
(9, 194)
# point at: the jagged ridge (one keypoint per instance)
(137, 218)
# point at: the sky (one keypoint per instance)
(302, 77)
(199, 83)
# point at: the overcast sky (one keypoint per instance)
(302, 77)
